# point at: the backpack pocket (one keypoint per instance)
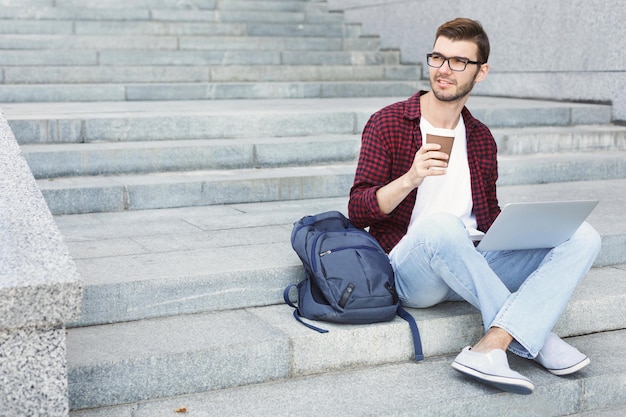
(356, 273)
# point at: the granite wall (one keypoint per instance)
(40, 290)
(548, 49)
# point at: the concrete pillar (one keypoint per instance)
(40, 290)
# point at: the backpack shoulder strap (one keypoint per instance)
(417, 341)
(296, 313)
(286, 295)
(415, 333)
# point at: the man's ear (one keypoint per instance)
(482, 72)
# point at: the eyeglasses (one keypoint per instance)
(455, 63)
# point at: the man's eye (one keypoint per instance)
(458, 61)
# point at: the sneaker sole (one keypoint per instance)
(516, 386)
(575, 368)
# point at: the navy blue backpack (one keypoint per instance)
(348, 276)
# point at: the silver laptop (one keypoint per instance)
(535, 225)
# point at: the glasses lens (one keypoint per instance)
(435, 61)
(457, 64)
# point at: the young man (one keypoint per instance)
(421, 209)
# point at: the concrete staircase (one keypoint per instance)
(178, 210)
(189, 49)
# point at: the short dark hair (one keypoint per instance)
(462, 29)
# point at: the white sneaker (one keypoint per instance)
(561, 358)
(492, 369)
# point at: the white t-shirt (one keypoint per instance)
(451, 192)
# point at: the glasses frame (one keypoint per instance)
(447, 59)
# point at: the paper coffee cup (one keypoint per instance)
(444, 137)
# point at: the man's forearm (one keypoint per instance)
(391, 195)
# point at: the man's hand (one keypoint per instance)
(428, 161)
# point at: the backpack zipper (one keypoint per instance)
(313, 260)
(329, 251)
(346, 295)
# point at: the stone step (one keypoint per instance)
(53, 161)
(550, 139)
(184, 75)
(210, 119)
(94, 42)
(124, 57)
(307, 29)
(205, 91)
(61, 160)
(281, 5)
(148, 359)
(154, 263)
(561, 167)
(70, 27)
(71, 195)
(311, 7)
(99, 42)
(173, 4)
(81, 13)
(266, 5)
(430, 388)
(276, 5)
(169, 15)
(228, 11)
(165, 27)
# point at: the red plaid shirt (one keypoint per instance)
(389, 142)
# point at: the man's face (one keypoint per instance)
(448, 85)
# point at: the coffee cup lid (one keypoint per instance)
(440, 132)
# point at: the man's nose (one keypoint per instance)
(445, 68)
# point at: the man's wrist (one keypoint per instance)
(411, 181)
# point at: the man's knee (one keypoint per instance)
(443, 226)
(589, 238)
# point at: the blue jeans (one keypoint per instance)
(522, 291)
